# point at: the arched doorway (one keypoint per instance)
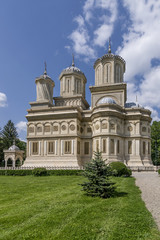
(9, 162)
(18, 163)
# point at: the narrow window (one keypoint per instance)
(149, 148)
(86, 148)
(129, 147)
(117, 146)
(67, 149)
(51, 147)
(144, 148)
(112, 146)
(104, 145)
(78, 147)
(35, 148)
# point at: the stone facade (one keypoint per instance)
(68, 131)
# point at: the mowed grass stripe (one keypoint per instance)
(55, 208)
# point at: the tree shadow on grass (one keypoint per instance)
(120, 194)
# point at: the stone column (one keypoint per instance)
(115, 146)
(108, 146)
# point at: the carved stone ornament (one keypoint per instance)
(89, 129)
(39, 129)
(81, 130)
(77, 127)
(143, 129)
(130, 128)
(47, 128)
(31, 129)
(63, 127)
(72, 127)
(55, 128)
(97, 126)
(104, 125)
(112, 126)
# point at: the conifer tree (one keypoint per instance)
(98, 174)
(9, 134)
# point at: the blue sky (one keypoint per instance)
(48, 30)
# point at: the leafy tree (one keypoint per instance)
(9, 134)
(98, 173)
(155, 143)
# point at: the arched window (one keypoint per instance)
(67, 85)
(98, 74)
(118, 73)
(78, 86)
(107, 73)
(9, 162)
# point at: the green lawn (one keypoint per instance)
(55, 208)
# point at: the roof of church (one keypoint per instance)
(110, 55)
(72, 69)
(44, 75)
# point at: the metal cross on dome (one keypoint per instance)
(45, 65)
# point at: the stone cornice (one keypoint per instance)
(109, 87)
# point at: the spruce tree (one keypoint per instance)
(98, 174)
(9, 134)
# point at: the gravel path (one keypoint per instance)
(149, 184)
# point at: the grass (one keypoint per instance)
(55, 208)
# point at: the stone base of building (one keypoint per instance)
(73, 162)
(58, 162)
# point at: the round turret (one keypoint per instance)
(109, 69)
(72, 81)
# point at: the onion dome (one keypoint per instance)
(106, 100)
(71, 69)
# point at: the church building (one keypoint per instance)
(65, 131)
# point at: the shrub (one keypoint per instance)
(98, 174)
(39, 172)
(119, 169)
(23, 172)
(159, 171)
(16, 172)
(66, 172)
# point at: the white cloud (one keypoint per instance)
(21, 127)
(80, 39)
(3, 100)
(140, 46)
(94, 27)
(101, 38)
(154, 114)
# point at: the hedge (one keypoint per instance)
(58, 172)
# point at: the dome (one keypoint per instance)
(72, 69)
(107, 100)
(14, 148)
(45, 76)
